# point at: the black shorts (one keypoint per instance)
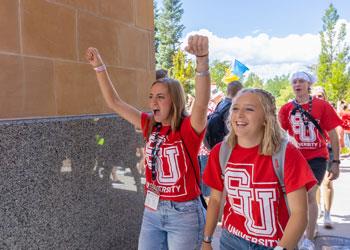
(318, 167)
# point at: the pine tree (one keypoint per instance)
(169, 31)
(156, 24)
(334, 57)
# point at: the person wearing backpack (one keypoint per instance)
(310, 120)
(173, 216)
(256, 215)
(216, 124)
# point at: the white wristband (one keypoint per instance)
(100, 68)
(203, 73)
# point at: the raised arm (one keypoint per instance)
(199, 46)
(109, 93)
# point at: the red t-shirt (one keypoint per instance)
(310, 141)
(345, 117)
(175, 175)
(255, 209)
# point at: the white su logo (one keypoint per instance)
(300, 129)
(246, 195)
(168, 172)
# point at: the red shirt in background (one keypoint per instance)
(310, 142)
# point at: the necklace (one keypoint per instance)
(156, 147)
(303, 116)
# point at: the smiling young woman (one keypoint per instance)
(255, 214)
(173, 216)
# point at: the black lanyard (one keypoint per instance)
(306, 117)
(302, 111)
(156, 147)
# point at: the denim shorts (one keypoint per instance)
(318, 167)
(175, 225)
(230, 241)
(347, 139)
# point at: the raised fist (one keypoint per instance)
(93, 57)
(198, 45)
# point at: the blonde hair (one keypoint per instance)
(319, 89)
(273, 133)
(177, 111)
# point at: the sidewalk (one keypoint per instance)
(337, 238)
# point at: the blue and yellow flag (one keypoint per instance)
(239, 69)
(235, 74)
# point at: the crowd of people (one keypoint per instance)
(241, 166)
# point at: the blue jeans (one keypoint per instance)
(202, 164)
(229, 241)
(175, 225)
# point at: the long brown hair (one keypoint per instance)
(177, 111)
(273, 133)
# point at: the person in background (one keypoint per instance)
(345, 130)
(173, 216)
(216, 128)
(161, 73)
(306, 119)
(255, 214)
(327, 184)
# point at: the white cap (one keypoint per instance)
(303, 75)
(318, 89)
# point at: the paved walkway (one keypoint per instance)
(337, 238)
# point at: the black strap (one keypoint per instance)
(297, 106)
(204, 203)
(156, 148)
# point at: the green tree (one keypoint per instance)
(217, 73)
(285, 95)
(275, 85)
(169, 31)
(334, 57)
(156, 24)
(183, 70)
(253, 81)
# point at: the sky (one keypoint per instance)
(271, 37)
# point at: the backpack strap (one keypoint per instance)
(278, 166)
(224, 155)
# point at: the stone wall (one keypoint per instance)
(70, 183)
(42, 48)
(70, 171)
